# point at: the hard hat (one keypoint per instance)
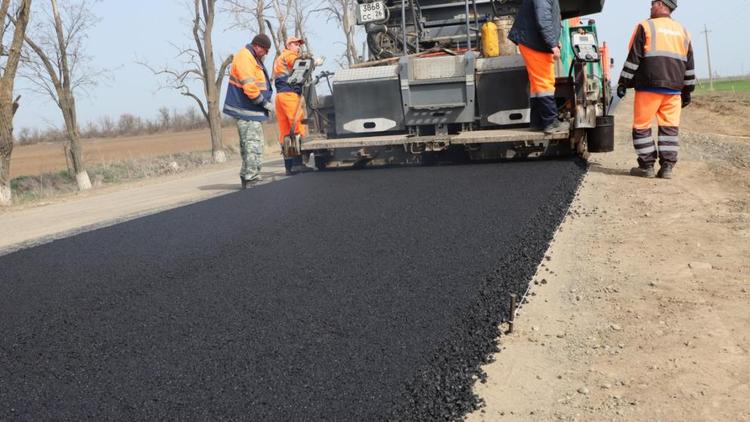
(262, 40)
(671, 4)
(290, 40)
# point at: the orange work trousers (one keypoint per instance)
(541, 69)
(666, 108)
(287, 108)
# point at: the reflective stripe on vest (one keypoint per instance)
(666, 38)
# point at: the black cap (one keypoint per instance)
(671, 4)
(262, 40)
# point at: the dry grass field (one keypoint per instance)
(32, 160)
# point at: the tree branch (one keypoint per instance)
(223, 71)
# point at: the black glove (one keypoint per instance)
(686, 100)
(621, 90)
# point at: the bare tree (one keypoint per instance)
(256, 9)
(9, 60)
(201, 68)
(343, 12)
(59, 68)
(301, 12)
(281, 11)
(255, 16)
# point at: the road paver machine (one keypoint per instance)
(442, 80)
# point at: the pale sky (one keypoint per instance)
(141, 30)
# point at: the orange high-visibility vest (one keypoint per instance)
(660, 56)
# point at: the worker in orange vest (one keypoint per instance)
(289, 107)
(661, 69)
(248, 100)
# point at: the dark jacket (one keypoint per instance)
(660, 56)
(538, 25)
(249, 89)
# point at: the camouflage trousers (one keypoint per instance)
(251, 148)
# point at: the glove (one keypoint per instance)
(270, 109)
(686, 100)
(621, 90)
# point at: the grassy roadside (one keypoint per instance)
(734, 86)
(29, 189)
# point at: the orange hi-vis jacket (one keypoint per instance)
(660, 57)
(249, 87)
(282, 68)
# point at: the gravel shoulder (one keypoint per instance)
(640, 311)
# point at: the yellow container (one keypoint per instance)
(490, 40)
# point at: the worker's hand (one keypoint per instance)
(686, 99)
(556, 53)
(621, 90)
(268, 105)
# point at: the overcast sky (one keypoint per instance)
(142, 30)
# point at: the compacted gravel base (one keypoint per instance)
(348, 295)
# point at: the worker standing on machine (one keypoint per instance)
(537, 31)
(289, 106)
(661, 69)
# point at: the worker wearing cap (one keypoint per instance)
(537, 31)
(289, 110)
(249, 101)
(661, 69)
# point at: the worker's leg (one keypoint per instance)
(284, 123)
(251, 148)
(288, 104)
(541, 69)
(282, 117)
(646, 106)
(668, 117)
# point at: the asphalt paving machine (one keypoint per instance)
(441, 80)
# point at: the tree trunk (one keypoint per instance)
(67, 102)
(7, 105)
(348, 27)
(260, 8)
(7, 108)
(210, 89)
(217, 146)
(74, 137)
(6, 148)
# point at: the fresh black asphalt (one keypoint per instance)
(337, 296)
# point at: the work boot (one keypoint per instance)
(665, 172)
(645, 171)
(254, 181)
(301, 168)
(557, 127)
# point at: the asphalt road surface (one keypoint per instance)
(354, 295)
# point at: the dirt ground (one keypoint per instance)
(30, 160)
(640, 312)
